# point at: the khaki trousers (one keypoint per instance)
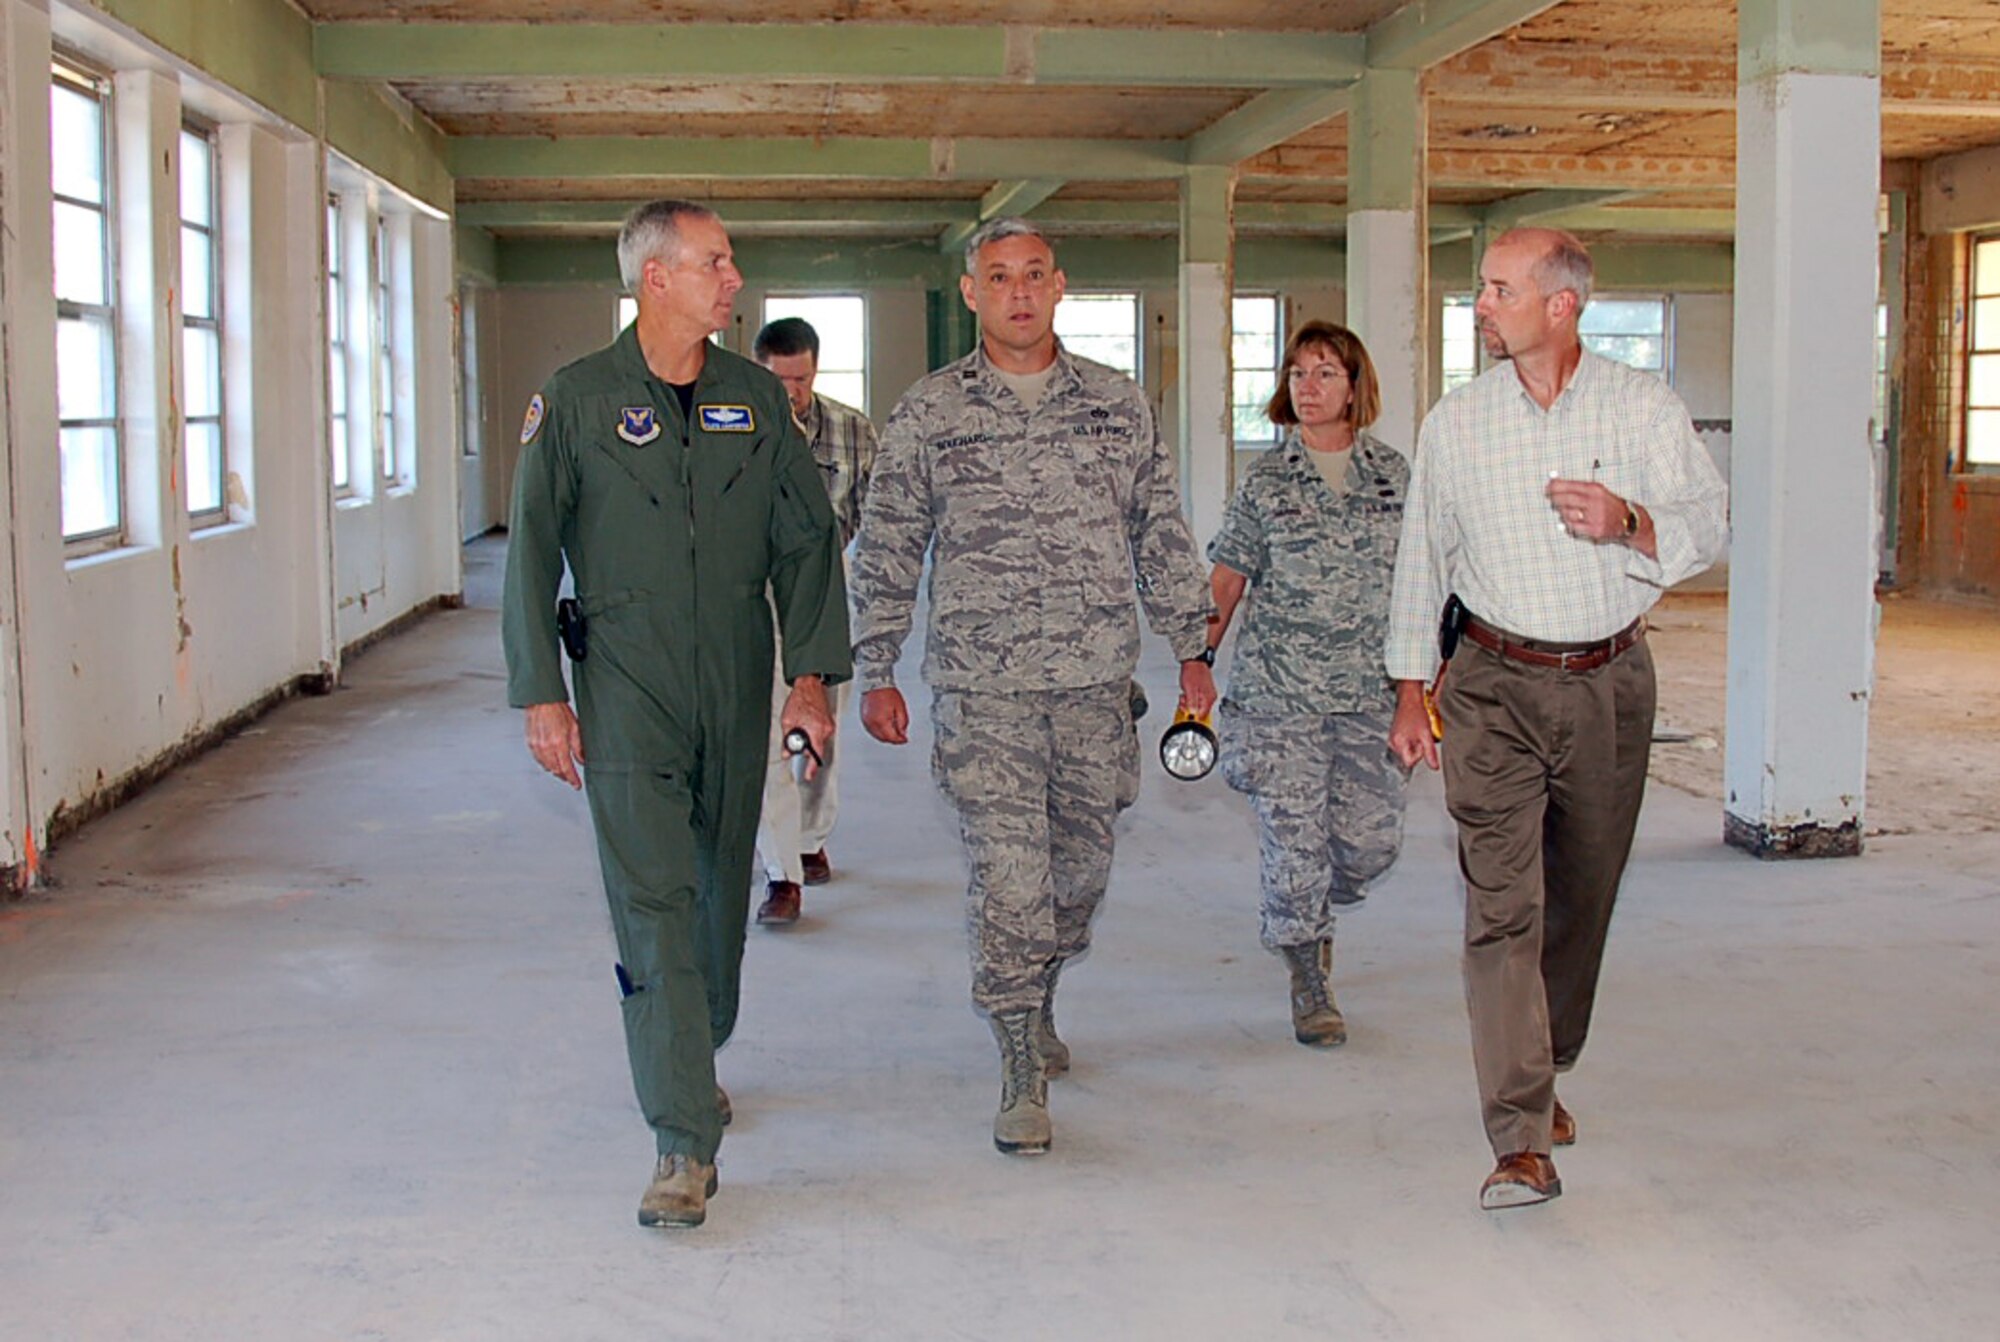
(1544, 771)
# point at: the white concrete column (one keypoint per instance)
(1207, 329)
(1802, 561)
(146, 112)
(1388, 249)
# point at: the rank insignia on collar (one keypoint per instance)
(638, 424)
(532, 424)
(727, 419)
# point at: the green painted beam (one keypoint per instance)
(1641, 267)
(848, 52)
(601, 156)
(1825, 37)
(379, 131)
(1015, 197)
(1425, 32)
(1230, 59)
(475, 255)
(609, 214)
(263, 49)
(1637, 219)
(1529, 206)
(1266, 120)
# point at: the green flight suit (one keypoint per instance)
(674, 527)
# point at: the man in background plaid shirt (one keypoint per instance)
(799, 814)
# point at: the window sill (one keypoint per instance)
(217, 530)
(351, 502)
(97, 559)
(1978, 480)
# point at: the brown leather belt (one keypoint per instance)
(1560, 656)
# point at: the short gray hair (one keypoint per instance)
(995, 230)
(1566, 265)
(653, 233)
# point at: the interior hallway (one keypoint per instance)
(318, 1039)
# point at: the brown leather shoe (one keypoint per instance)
(818, 870)
(1520, 1180)
(1562, 1128)
(781, 906)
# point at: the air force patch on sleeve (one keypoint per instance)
(638, 424)
(727, 419)
(532, 424)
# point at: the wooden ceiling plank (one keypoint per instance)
(1424, 32)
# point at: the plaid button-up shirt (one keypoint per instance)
(1479, 524)
(843, 443)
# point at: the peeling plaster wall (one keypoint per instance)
(131, 658)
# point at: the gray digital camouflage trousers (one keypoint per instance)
(1329, 803)
(1037, 780)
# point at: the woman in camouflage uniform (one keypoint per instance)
(1310, 539)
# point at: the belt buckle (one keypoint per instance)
(1564, 657)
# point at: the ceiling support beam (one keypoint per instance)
(1266, 120)
(1418, 36)
(941, 159)
(586, 214)
(1015, 198)
(1534, 206)
(878, 53)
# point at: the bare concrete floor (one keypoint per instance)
(318, 1039)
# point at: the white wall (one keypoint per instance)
(126, 654)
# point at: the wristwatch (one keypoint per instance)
(1631, 519)
(1206, 657)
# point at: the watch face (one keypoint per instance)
(1188, 751)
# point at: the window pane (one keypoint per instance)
(1982, 437)
(80, 276)
(849, 389)
(337, 383)
(1103, 327)
(1646, 353)
(337, 451)
(197, 179)
(1986, 265)
(197, 274)
(1624, 316)
(201, 370)
(628, 312)
(1985, 324)
(1985, 389)
(76, 140)
(89, 480)
(204, 467)
(841, 322)
(86, 374)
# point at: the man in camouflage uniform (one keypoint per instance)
(1038, 483)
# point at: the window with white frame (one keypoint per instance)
(388, 446)
(337, 400)
(1460, 331)
(201, 329)
(1633, 331)
(1256, 348)
(628, 311)
(1103, 327)
(93, 506)
(841, 322)
(1982, 358)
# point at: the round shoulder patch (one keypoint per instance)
(532, 424)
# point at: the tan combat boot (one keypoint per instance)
(1315, 1019)
(1021, 1128)
(1055, 1053)
(679, 1193)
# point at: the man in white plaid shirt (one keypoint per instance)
(799, 812)
(1556, 496)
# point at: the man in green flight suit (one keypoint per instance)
(668, 472)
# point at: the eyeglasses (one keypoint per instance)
(1325, 374)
